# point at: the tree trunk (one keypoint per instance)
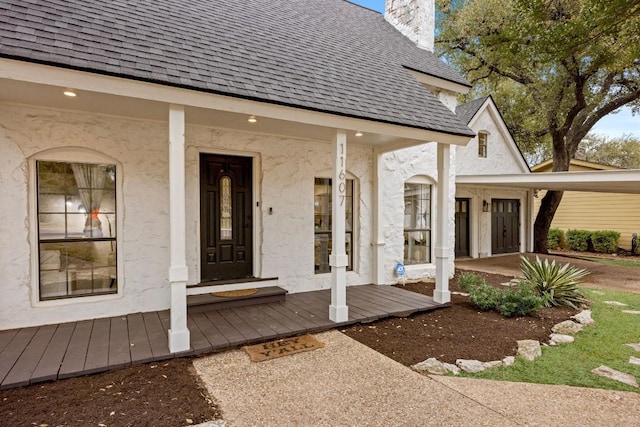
(548, 207)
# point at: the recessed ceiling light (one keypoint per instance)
(358, 134)
(252, 119)
(69, 93)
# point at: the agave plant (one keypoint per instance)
(557, 285)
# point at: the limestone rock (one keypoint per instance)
(634, 360)
(631, 311)
(529, 349)
(471, 366)
(493, 364)
(616, 303)
(636, 347)
(509, 360)
(607, 372)
(555, 339)
(431, 365)
(568, 327)
(452, 368)
(584, 317)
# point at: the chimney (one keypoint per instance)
(415, 19)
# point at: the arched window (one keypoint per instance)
(322, 224)
(417, 221)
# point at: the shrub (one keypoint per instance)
(555, 238)
(485, 297)
(519, 300)
(468, 281)
(578, 240)
(557, 285)
(605, 241)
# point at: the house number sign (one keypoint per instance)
(342, 185)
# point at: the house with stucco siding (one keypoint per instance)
(490, 219)
(156, 152)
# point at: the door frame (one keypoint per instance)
(469, 220)
(255, 202)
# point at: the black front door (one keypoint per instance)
(505, 226)
(226, 220)
(462, 227)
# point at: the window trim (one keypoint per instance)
(71, 155)
(423, 180)
(355, 232)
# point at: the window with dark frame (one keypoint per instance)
(482, 144)
(76, 205)
(322, 224)
(417, 223)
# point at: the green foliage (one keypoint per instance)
(485, 297)
(578, 240)
(622, 152)
(555, 238)
(605, 241)
(557, 285)
(520, 300)
(468, 281)
(600, 344)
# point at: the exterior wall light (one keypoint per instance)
(252, 119)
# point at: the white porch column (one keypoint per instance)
(179, 339)
(441, 294)
(338, 310)
(377, 238)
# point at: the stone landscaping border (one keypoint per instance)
(562, 333)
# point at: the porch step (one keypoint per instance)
(209, 302)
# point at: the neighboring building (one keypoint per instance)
(594, 211)
(227, 144)
(490, 219)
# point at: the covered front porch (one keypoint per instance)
(153, 135)
(65, 350)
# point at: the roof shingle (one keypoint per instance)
(331, 55)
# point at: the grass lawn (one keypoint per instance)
(600, 344)
(620, 262)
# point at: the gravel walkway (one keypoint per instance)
(348, 384)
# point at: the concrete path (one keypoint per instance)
(348, 384)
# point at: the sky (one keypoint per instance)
(611, 126)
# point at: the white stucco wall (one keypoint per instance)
(480, 222)
(398, 167)
(140, 149)
(285, 182)
(501, 157)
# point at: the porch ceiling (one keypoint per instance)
(383, 136)
(618, 181)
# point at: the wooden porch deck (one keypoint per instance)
(36, 354)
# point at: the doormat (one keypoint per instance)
(284, 347)
(238, 293)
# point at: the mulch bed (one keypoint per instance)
(166, 393)
(458, 332)
(169, 393)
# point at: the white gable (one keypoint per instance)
(503, 156)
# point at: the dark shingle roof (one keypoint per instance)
(328, 55)
(466, 111)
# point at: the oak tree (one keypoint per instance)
(555, 67)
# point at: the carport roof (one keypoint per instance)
(617, 181)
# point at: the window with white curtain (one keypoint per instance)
(76, 205)
(417, 223)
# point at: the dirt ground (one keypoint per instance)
(169, 393)
(601, 276)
